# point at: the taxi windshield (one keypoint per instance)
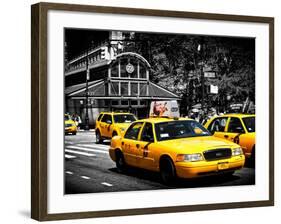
(179, 129)
(66, 117)
(249, 123)
(124, 118)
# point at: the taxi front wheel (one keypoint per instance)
(167, 171)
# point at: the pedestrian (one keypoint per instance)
(76, 118)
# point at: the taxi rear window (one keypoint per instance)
(124, 118)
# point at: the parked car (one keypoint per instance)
(238, 128)
(110, 124)
(175, 147)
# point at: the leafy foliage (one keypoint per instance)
(176, 61)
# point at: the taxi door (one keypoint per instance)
(130, 143)
(218, 127)
(235, 130)
(145, 148)
(106, 125)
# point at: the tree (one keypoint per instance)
(175, 63)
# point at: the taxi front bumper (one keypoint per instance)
(208, 168)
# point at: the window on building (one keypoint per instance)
(143, 103)
(142, 68)
(115, 88)
(134, 102)
(106, 103)
(114, 102)
(134, 89)
(143, 91)
(133, 65)
(124, 89)
(124, 62)
(114, 70)
(124, 102)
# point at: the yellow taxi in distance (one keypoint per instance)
(69, 125)
(175, 147)
(110, 124)
(238, 128)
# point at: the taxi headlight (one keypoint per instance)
(189, 157)
(237, 152)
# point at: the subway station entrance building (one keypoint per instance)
(111, 82)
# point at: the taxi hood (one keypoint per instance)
(197, 144)
(69, 122)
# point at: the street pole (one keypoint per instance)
(200, 49)
(203, 85)
(87, 93)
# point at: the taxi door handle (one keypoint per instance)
(137, 145)
(226, 136)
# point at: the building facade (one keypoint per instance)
(109, 78)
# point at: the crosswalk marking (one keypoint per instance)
(86, 149)
(85, 177)
(79, 153)
(105, 147)
(69, 156)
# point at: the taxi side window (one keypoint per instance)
(99, 117)
(235, 125)
(218, 125)
(147, 133)
(133, 131)
(107, 119)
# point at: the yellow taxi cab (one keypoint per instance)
(238, 128)
(175, 147)
(69, 125)
(110, 124)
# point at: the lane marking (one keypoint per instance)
(79, 153)
(107, 184)
(85, 177)
(86, 149)
(69, 156)
(69, 172)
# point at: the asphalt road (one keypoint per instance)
(89, 169)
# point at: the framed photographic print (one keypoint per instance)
(138, 111)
